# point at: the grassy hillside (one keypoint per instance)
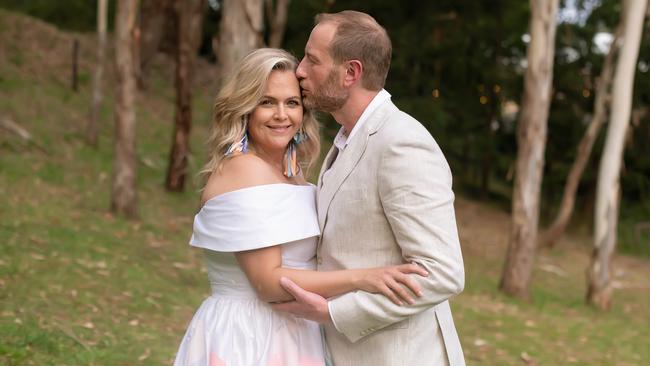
(81, 287)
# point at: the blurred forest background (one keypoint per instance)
(94, 268)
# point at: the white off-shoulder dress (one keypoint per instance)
(233, 327)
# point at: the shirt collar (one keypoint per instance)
(341, 140)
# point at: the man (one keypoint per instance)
(384, 198)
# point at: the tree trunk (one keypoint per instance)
(608, 189)
(277, 20)
(240, 31)
(123, 200)
(157, 24)
(531, 140)
(189, 20)
(556, 230)
(92, 129)
(74, 76)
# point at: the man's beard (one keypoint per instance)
(329, 97)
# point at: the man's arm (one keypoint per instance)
(414, 184)
(307, 305)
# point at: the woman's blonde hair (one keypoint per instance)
(239, 96)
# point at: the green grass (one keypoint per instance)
(634, 231)
(555, 327)
(79, 286)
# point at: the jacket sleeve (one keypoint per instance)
(414, 183)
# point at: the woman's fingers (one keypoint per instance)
(413, 268)
(400, 291)
(396, 284)
(409, 282)
(386, 291)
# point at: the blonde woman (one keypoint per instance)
(258, 223)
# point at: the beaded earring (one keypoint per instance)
(300, 136)
(291, 161)
(241, 145)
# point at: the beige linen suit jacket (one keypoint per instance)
(387, 200)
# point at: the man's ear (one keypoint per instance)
(353, 72)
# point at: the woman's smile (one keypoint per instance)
(280, 129)
(278, 115)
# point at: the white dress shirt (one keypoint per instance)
(343, 138)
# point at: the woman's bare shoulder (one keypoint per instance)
(238, 172)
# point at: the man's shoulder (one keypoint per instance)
(401, 126)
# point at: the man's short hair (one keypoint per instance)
(359, 37)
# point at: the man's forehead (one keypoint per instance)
(323, 33)
(320, 38)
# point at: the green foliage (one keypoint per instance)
(80, 287)
(77, 15)
(454, 66)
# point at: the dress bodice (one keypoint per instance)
(252, 218)
(227, 279)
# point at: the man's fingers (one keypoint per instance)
(307, 305)
(284, 306)
(292, 288)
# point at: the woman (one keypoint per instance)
(258, 223)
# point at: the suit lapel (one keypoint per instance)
(345, 163)
(327, 162)
(347, 160)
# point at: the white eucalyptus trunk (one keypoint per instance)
(599, 291)
(556, 230)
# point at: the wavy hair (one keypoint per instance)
(238, 98)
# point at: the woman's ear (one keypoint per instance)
(353, 72)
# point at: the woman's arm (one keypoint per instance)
(263, 267)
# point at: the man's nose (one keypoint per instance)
(300, 71)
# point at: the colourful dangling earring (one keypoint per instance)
(300, 136)
(239, 146)
(291, 162)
